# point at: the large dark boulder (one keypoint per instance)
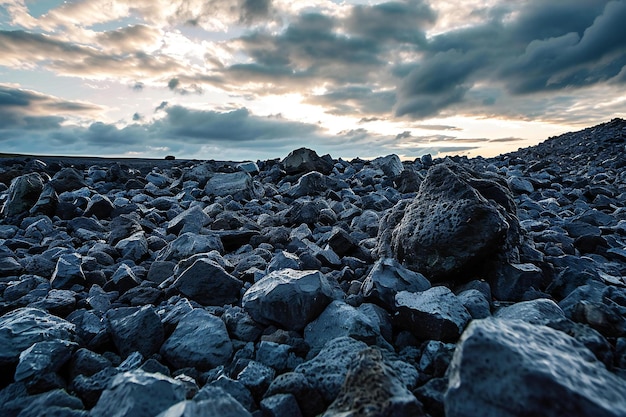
(305, 160)
(208, 283)
(456, 222)
(24, 192)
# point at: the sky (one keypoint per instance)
(255, 79)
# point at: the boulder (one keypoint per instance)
(43, 358)
(208, 283)
(391, 165)
(23, 327)
(305, 160)
(220, 404)
(337, 320)
(387, 278)
(513, 368)
(24, 192)
(327, 371)
(434, 314)
(68, 179)
(191, 220)
(239, 185)
(139, 394)
(189, 244)
(512, 281)
(288, 298)
(200, 340)
(281, 405)
(456, 222)
(134, 247)
(135, 329)
(372, 385)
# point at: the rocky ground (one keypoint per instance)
(312, 286)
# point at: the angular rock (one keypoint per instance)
(280, 405)
(512, 281)
(139, 394)
(434, 314)
(456, 221)
(374, 386)
(256, 377)
(134, 247)
(391, 165)
(23, 327)
(304, 160)
(208, 283)
(200, 340)
(56, 402)
(23, 194)
(309, 399)
(43, 358)
(220, 404)
(191, 220)
(135, 329)
(387, 278)
(68, 272)
(68, 179)
(288, 298)
(189, 244)
(238, 185)
(512, 368)
(337, 320)
(327, 371)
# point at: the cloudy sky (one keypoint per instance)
(254, 79)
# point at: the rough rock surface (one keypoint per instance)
(450, 224)
(511, 368)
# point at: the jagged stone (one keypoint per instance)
(200, 340)
(288, 298)
(387, 278)
(23, 194)
(493, 373)
(135, 329)
(208, 283)
(434, 314)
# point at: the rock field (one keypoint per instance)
(311, 286)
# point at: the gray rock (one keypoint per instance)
(122, 227)
(189, 244)
(238, 185)
(220, 404)
(387, 278)
(391, 165)
(450, 224)
(304, 160)
(231, 387)
(520, 185)
(512, 281)
(200, 340)
(23, 327)
(435, 314)
(23, 194)
(160, 271)
(139, 394)
(124, 278)
(208, 283)
(309, 399)
(68, 179)
(256, 377)
(10, 266)
(43, 358)
(288, 298)
(191, 220)
(135, 329)
(327, 371)
(374, 386)
(539, 311)
(99, 206)
(134, 247)
(53, 403)
(512, 368)
(475, 303)
(337, 320)
(280, 405)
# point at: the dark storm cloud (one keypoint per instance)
(353, 100)
(173, 83)
(397, 21)
(241, 11)
(544, 46)
(29, 110)
(237, 125)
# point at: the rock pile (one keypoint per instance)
(314, 286)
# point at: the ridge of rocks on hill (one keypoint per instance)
(316, 286)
